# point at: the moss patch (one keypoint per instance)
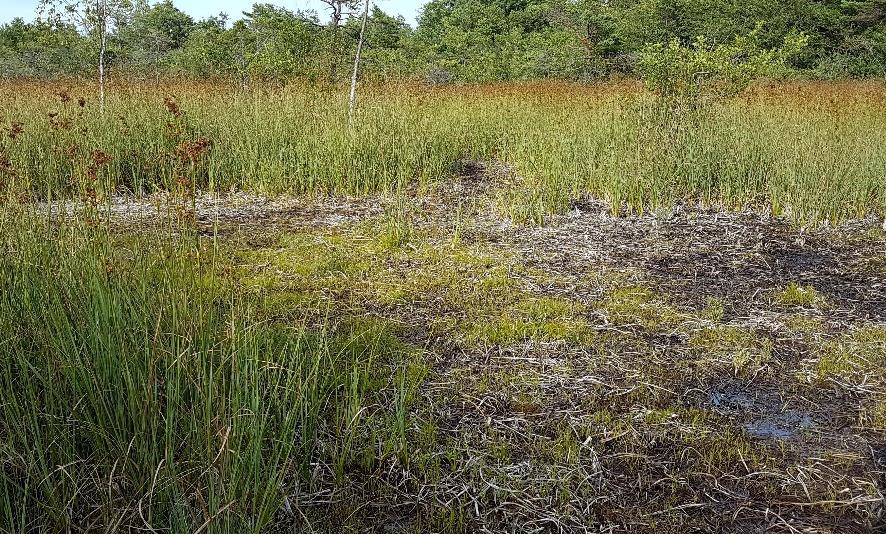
(635, 305)
(853, 355)
(744, 348)
(804, 324)
(481, 294)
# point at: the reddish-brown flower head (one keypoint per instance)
(171, 106)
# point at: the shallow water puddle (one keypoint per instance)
(783, 425)
(763, 411)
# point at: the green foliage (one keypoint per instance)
(137, 387)
(42, 50)
(152, 34)
(470, 40)
(207, 52)
(689, 75)
(388, 52)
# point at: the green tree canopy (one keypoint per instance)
(463, 40)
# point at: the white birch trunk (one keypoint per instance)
(103, 41)
(352, 102)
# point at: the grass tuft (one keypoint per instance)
(798, 295)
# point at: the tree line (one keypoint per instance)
(454, 40)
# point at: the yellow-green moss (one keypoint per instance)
(638, 305)
(862, 350)
(878, 415)
(743, 347)
(714, 311)
(804, 324)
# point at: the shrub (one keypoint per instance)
(689, 76)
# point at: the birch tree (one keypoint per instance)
(352, 101)
(339, 9)
(96, 19)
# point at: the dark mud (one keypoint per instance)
(695, 255)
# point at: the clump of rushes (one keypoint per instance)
(80, 165)
(809, 151)
(398, 227)
(188, 149)
(97, 161)
(138, 391)
(7, 169)
(88, 166)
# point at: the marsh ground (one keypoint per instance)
(683, 370)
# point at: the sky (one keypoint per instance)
(9, 9)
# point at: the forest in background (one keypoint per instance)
(453, 41)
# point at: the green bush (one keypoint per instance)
(689, 76)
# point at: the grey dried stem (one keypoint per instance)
(352, 102)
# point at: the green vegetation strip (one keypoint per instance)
(813, 152)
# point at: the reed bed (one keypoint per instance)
(813, 151)
(140, 390)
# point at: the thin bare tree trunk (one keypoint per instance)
(101, 77)
(353, 100)
(334, 51)
(103, 38)
(337, 7)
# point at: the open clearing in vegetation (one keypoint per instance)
(682, 370)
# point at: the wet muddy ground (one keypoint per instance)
(694, 370)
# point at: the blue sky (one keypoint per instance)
(202, 8)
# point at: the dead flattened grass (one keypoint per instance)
(564, 384)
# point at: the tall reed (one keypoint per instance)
(812, 151)
(139, 389)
